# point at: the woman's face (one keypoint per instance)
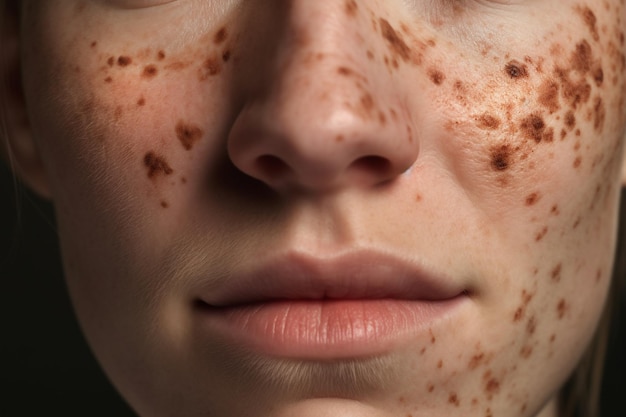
(358, 208)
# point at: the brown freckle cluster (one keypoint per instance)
(188, 134)
(210, 67)
(156, 165)
(533, 127)
(549, 96)
(491, 384)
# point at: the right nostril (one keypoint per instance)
(373, 164)
(272, 167)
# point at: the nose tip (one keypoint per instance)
(318, 153)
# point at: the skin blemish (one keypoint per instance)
(533, 127)
(561, 308)
(454, 399)
(549, 96)
(156, 165)
(570, 120)
(590, 21)
(599, 114)
(541, 234)
(187, 134)
(436, 76)
(516, 69)
(396, 43)
(220, 36)
(149, 71)
(555, 274)
(526, 351)
(351, 8)
(531, 325)
(582, 58)
(210, 67)
(124, 61)
(532, 199)
(501, 157)
(491, 384)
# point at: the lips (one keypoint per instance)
(362, 303)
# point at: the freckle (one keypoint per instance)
(492, 385)
(108, 80)
(430, 388)
(394, 40)
(599, 114)
(149, 71)
(351, 8)
(454, 399)
(476, 360)
(500, 157)
(531, 325)
(570, 120)
(440, 364)
(393, 114)
(94, 44)
(220, 36)
(524, 408)
(555, 210)
(541, 234)
(488, 122)
(549, 96)
(519, 313)
(164, 204)
(598, 76)
(187, 134)
(526, 352)
(577, 133)
(590, 20)
(532, 199)
(562, 308)
(436, 76)
(118, 112)
(210, 67)
(183, 180)
(418, 198)
(552, 338)
(156, 165)
(370, 55)
(124, 61)
(141, 102)
(516, 69)
(422, 351)
(533, 127)
(111, 61)
(582, 57)
(160, 55)
(226, 56)
(382, 118)
(577, 162)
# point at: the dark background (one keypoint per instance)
(46, 367)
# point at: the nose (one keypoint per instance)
(321, 110)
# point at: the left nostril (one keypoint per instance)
(272, 167)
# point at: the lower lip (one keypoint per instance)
(326, 329)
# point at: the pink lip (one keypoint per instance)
(358, 304)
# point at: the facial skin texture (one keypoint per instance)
(185, 141)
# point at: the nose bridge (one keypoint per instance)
(325, 113)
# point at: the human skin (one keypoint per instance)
(184, 143)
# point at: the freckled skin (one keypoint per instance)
(315, 126)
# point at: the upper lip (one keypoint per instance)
(361, 274)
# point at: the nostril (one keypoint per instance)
(272, 167)
(377, 165)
